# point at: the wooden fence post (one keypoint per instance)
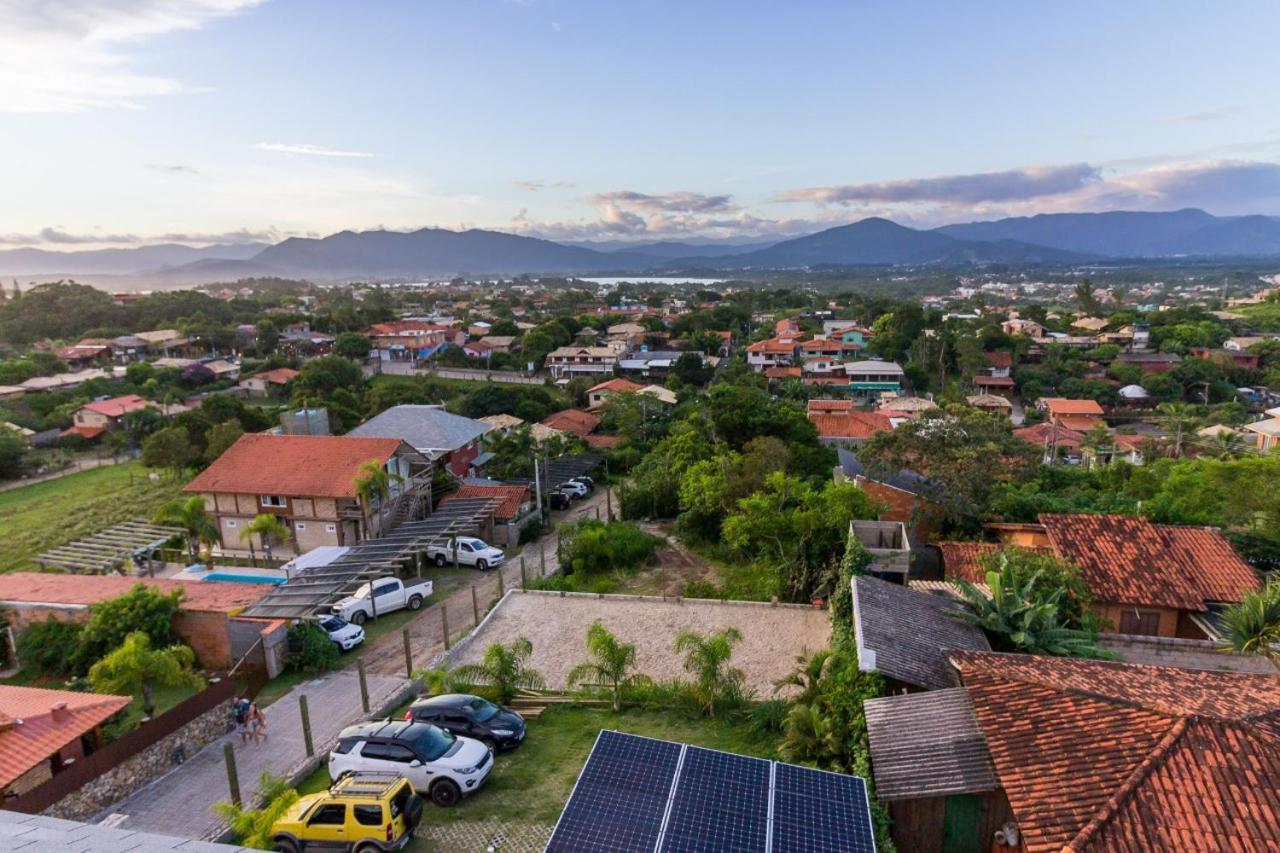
(408, 655)
(542, 555)
(524, 578)
(475, 605)
(502, 585)
(233, 780)
(364, 685)
(444, 623)
(306, 725)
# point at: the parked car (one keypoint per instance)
(559, 500)
(436, 762)
(471, 552)
(345, 635)
(360, 813)
(589, 482)
(574, 490)
(497, 727)
(389, 594)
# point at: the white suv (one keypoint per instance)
(438, 764)
(471, 552)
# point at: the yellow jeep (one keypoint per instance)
(360, 813)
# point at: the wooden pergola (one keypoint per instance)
(112, 549)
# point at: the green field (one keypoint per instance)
(38, 517)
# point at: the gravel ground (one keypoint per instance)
(557, 627)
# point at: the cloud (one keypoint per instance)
(1214, 114)
(1011, 185)
(538, 186)
(57, 236)
(308, 150)
(688, 202)
(173, 169)
(74, 55)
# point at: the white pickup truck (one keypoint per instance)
(471, 552)
(388, 594)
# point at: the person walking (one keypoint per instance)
(257, 724)
(241, 714)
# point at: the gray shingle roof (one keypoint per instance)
(424, 428)
(927, 745)
(902, 633)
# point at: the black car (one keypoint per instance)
(471, 716)
(559, 500)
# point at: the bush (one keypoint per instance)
(531, 531)
(310, 648)
(702, 589)
(48, 647)
(593, 547)
(110, 622)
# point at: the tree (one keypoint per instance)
(135, 666)
(266, 527)
(310, 649)
(1177, 419)
(707, 657)
(13, 449)
(266, 337)
(504, 668)
(1087, 298)
(1252, 625)
(352, 345)
(220, 437)
(191, 515)
(611, 664)
(142, 608)
(252, 827)
(373, 483)
(168, 448)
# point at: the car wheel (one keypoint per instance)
(481, 565)
(285, 845)
(359, 617)
(369, 848)
(415, 601)
(445, 793)
(441, 561)
(339, 645)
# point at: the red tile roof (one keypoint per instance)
(983, 381)
(575, 421)
(118, 407)
(83, 590)
(278, 376)
(1129, 560)
(1065, 406)
(774, 346)
(823, 405)
(32, 730)
(293, 465)
(87, 432)
(1096, 755)
(857, 425)
(783, 372)
(961, 560)
(602, 441)
(511, 497)
(999, 360)
(1082, 423)
(621, 386)
(1046, 435)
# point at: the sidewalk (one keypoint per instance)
(181, 802)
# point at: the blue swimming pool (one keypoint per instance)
(233, 578)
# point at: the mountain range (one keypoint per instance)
(1060, 238)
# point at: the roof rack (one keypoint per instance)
(372, 783)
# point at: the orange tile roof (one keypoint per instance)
(293, 465)
(1081, 423)
(999, 360)
(774, 346)
(983, 381)
(87, 432)
(511, 497)
(856, 425)
(783, 372)
(961, 560)
(575, 421)
(83, 590)
(1065, 406)
(1046, 434)
(278, 376)
(1129, 560)
(32, 729)
(602, 441)
(118, 406)
(823, 405)
(621, 386)
(1095, 755)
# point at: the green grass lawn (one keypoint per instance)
(165, 698)
(44, 515)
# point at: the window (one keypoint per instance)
(344, 746)
(331, 528)
(231, 522)
(272, 500)
(388, 752)
(298, 525)
(465, 547)
(1145, 623)
(384, 589)
(369, 815)
(330, 814)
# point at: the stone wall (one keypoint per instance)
(147, 766)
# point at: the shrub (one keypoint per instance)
(702, 589)
(110, 622)
(593, 547)
(531, 531)
(47, 648)
(310, 648)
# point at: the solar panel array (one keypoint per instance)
(641, 795)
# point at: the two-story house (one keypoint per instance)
(567, 362)
(311, 482)
(93, 419)
(450, 441)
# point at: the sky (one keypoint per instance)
(124, 122)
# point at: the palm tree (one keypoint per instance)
(267, 527)
(1176, 418)
(503, 667)
(1225, 446)
(134, 666)
(1252, 626)
(611, 664)
(808, 735)
(1025, 615)
(373, 481)
(707, 658)
(807, 675)
(252, 827)
(190, 514)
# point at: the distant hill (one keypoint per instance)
(1131, 234)
(434, 251)
(118, 261)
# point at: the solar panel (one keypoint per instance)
(721, 803)
(641, 795)
(620, 797)
(820, 812)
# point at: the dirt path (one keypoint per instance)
(674, 565)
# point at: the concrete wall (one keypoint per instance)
(205, 632)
